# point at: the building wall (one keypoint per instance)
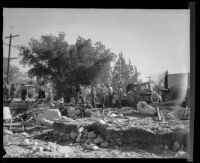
(179, 85)
(181, 80)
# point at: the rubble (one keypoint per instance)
(8, 132)
(176, 146)
(100, 129)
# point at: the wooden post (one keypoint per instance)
(158, 112)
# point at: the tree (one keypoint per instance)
(65, 65)
(159, 81)
(123, 73)
(14, 76)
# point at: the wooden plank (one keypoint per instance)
(12, 124)
(158, 113)
(41, 133)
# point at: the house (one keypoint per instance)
(180, 80)
(179, 85)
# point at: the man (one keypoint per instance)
(23, 92)
(41, 92)
(12, 91)
(5, 93)
(79, 94)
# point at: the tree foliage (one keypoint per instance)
(64, 64)
(15, 75)
(123, 73)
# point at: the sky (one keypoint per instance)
(154, 40)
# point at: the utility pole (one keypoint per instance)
(10, 42)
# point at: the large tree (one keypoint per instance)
(123, 73)
(54, 59)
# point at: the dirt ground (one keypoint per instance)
(15, 147)
(20, 145)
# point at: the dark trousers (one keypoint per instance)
(23, 96)
(5, 97)
(12, 95)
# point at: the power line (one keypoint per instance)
(13, 46)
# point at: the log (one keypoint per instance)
(158, 113)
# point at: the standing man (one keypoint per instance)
(12, 91)
(23, 92)
(78, 94)
(110, 93)
(5, 93)
(41, 92)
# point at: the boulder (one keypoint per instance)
(46, 122)
(91, 135)
(181, 154)
(176, 146)
(98, 140)
(71, 111)
(65, 149)
(7, 132)
(6, 113)
(50, 114)
(145, 109)
(104, 144)
(73, 134)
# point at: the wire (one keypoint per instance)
(14, 46)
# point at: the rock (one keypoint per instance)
(113, 115)
(145, 109)
(98, 140)
(6, 113)
(176, 146)
(65, 149)
(50, 114)
(80, 130)
(34, 148)
(90, 146)
(25, 134)
(27, 142)
(102, 122)
(88, 113)
(157, 148)
(166, 147)
(7, 132)
(78, 137)
(40, 149)
(52, 145)
(67, 118)
(46, 122)
(104, 144)
(94, 147)
(77, 112)
(181, 154)
(71, 111)
(91, 135)
(73, 134)
(47, 148)
(36, 143)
